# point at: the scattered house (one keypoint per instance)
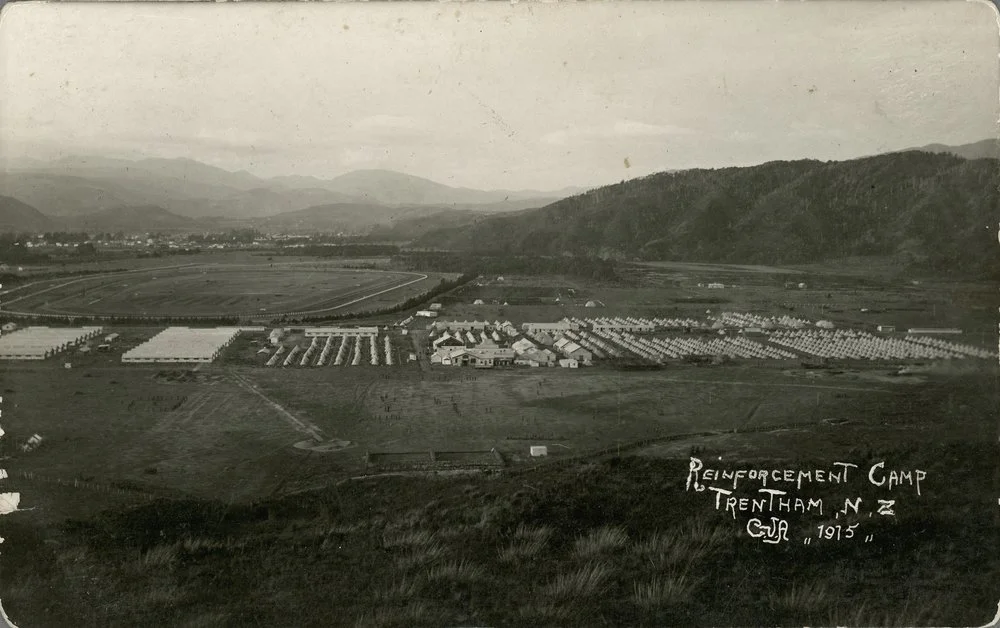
(107, 347)
(449, 356)
(478, 302)
(111, 337)
(487, 356)
(802, 286)
(448, 341)
(461, 325)
(427, 314)
(275, 336)
(824, 324)
(500, 278)
(537, 451)
(536, 358)
(412, 357)
(434, 306)
(573, 351)
(404, 331)
(886, 328)
(590, 304)
(9, 327)
(569, 363)
(543, 338)
(523, 346)
(716, 286)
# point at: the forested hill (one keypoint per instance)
(931, 211)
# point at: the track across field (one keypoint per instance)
(209, 290)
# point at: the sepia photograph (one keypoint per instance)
(499, 314)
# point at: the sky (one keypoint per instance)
(495, 95)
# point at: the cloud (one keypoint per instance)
(621, 129)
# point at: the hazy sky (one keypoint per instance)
(495, 95)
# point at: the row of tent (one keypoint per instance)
(328, 342)
(859, 346)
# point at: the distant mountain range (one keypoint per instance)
(86, 185)
(984, 149)
(935, 207)
(924, 209)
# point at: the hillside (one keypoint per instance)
(16, 216)
(353, 218)
(131, 219)
(407, 229)
(926, 210)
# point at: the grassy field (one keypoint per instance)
(211, 290)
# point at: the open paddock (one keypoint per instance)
(454, 409)
(215, 290)
(150, 426)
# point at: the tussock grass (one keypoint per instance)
(661, 551)
(583, 582)
(393, 616)
(159, 556)
(344, 528)
(810, 597)
(488, 516)
(413, 518)
(599, 541)
(663, 591)
(457, 530)
(523, 549)
(455, 571)
(534, 533)
(420, 555)
(528, 542)
(194, 545)
(912, 613)
(406, 538)
(709, 535)
(544, 614)
(401, 590)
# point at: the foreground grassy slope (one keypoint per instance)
(618, 542)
